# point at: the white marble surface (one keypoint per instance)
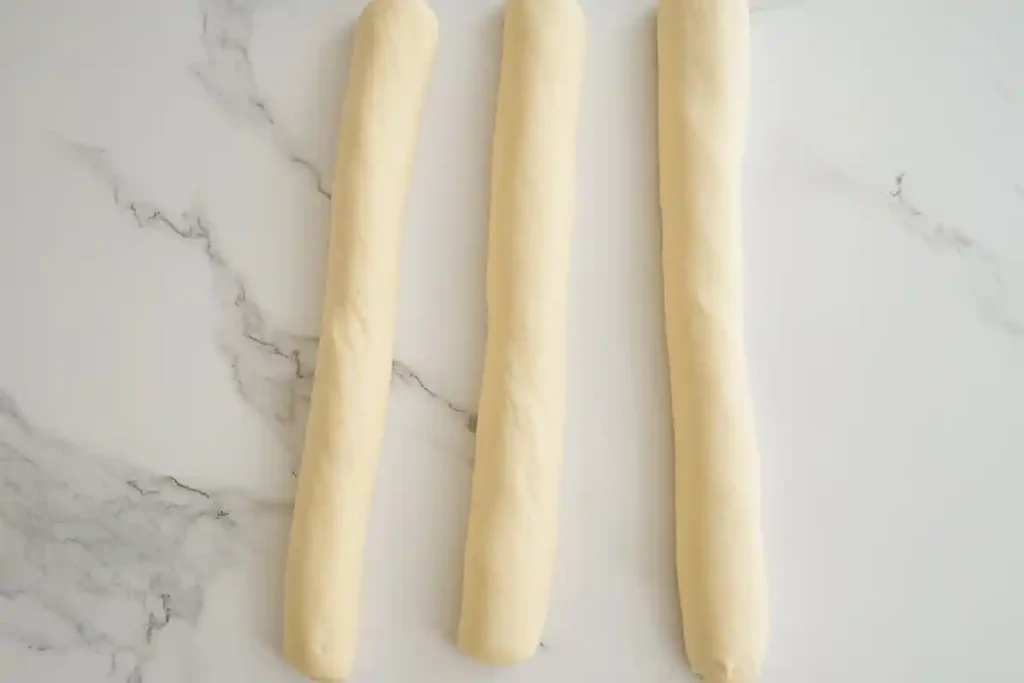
(162, 227)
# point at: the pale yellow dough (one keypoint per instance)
(510, 548)
(394, 49)
(703, 74)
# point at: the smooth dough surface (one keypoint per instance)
(703, 74)
(392, 56)
(510, 547)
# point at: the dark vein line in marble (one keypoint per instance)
(157, 624)
(936, 233)
(313, 171)
(185, 487)
(228, 76)
(271, 369)
(227, 28)
(408, 376)
(991, 291)
(134, 485)
(82, 544)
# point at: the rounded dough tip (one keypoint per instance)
(313, 665)
(421, 8)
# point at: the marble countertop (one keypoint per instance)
(164, 196)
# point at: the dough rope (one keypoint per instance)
(392, 57)
(703, 74)
(510, 546)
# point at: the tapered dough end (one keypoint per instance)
(720, 657)
(318, 664)
(493, 651)
(321, 661)
(720, 672)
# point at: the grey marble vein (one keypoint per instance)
(272, 369)
(988, 281)
(227, 75)
(408, 376)
(998, 302)
(99, 555)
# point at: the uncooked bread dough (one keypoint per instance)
(703, 74)
(510, 548)
(391, 61)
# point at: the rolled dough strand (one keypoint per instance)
(703, 75)
(392, 56)
(510, 548)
